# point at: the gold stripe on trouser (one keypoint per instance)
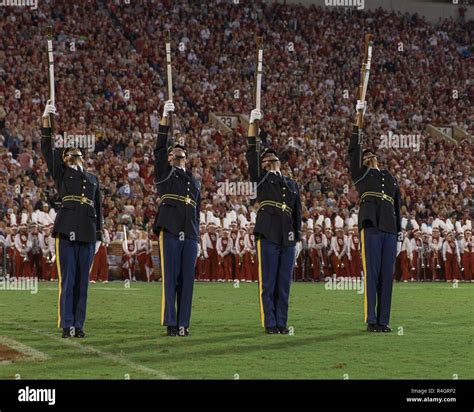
(260, 282)
(162, 258)
(58, 265)
(364, 266)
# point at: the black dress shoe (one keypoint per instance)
(79, 333)
(171, 331)
(283, 330)
(373, 327)
(182, 331)
(272, 330)
(67, 333)
(384, 328)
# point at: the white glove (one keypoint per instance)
(298, 249)
(255, 114)
(49, 110)
(169, 107)
(361, 106)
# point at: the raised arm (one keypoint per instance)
(355, 149)
(162, 165)
(355, 155)
(51, 155)
(252, 155)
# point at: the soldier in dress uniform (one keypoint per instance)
(77, 226)
(277, 229)
(177, 224)
(379, 223)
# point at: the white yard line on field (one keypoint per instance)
(30, 353)
(73, 342)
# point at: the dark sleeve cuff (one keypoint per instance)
(252, 140)
(46, 132)
(162, 129)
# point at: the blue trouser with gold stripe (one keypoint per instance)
(275, 267)
(74, 261)
(178, 261)
(379, 251)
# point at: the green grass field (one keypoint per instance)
(125, 339)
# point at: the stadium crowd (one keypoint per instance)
(111, 85)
